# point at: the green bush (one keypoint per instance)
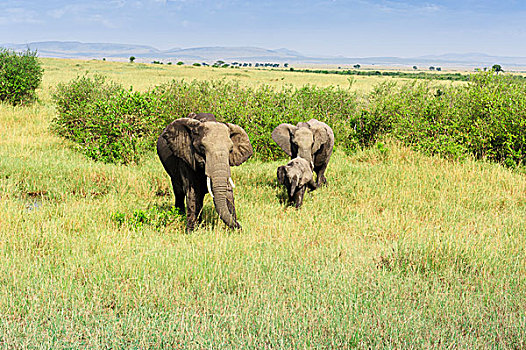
(20, 76)
(484, 118)
(106, 121)
(112, 124)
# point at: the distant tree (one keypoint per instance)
(197, 64)
(286, 65)
(180, 63)
(132, 58)
(497, 68)
(169, 63)
(439, 69)
(356, 66)
(415, 67)
(431, 68)
(220, 62)
(104, 58)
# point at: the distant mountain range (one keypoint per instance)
(144, 53)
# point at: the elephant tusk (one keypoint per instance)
(209, 186)
(231, 182)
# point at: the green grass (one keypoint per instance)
(399, 250)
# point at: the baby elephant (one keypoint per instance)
(296, 176)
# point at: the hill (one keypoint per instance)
(144, 53)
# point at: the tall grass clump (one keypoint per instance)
(20, 75)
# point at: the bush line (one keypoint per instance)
(484, 118)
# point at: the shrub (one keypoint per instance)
(485, 118)
(107, 122)
(112, 124)
(20, 76)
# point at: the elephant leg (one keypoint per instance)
(192, 208)
(298, 197)
(200, 196)
(179, 197)
(320, 178)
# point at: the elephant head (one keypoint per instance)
(303, 140)
(209, 148)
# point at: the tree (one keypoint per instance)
(431, 68)
(132, 58)
(497, 68)
(415, 67)
(356, 66)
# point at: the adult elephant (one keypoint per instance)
(197, 152)
(312, 141)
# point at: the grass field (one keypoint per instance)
(142, 76)
(400, 250)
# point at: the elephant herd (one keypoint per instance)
(198, 151)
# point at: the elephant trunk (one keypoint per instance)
(221, 199)
(305, 154)
(219, 186)
(294, 184)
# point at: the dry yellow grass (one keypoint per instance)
(400, 250)
(142, 76)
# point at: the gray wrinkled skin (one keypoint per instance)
(312, 141)
(296, 176)
(198, 148)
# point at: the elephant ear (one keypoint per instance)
(282, 135)
(242, 148)
(178, 135)
(321, 137)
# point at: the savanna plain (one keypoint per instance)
(400, 250)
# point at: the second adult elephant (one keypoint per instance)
(312, 141)
(197, 153)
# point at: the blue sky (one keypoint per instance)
(351, 28)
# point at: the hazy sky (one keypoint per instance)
(351, 28)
